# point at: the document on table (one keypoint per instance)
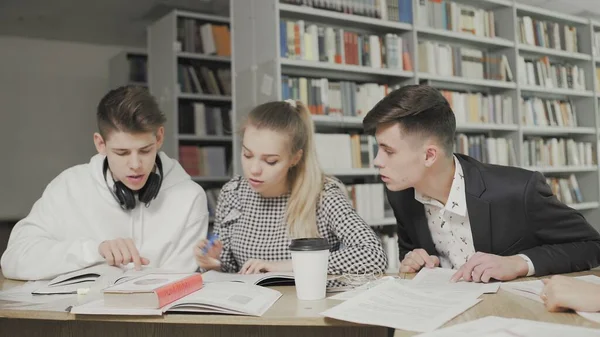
(493, 326)
(398, 306)
(346, 295)
(533, 289)
(438, 279)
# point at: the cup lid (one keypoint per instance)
(309, 244)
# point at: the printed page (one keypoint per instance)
(346, 295)
(438, 279)
(147, 282)
(240, 298)
(398, 306)
(492, 326)
(212, 276)
(97, 307)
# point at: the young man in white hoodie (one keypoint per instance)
(130, 204)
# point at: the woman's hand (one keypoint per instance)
(208, 255)
(255, 266)
(563, 292)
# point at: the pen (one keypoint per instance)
(211, 241)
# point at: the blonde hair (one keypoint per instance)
(305, 178)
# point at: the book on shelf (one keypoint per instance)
(369, 201)
(548, 112)
(201, 119)
(596, 43)
(597, 79)
(325, 97)
(397, 10)
(539, 151)
(212, 197)
(233, 298)
(194, 36)
(566, 190)
(152, 291)
(498, 151)
(344, 151)
(138, 68)
(546, 74)
(200, 79)
(300, 40)
(547, 34)
(203, 160)
(479, 107)
(458, 17)
(448, 60)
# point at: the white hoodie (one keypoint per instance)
(77, 212)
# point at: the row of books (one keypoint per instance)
(498, 151)
(201, 120)
(480, 108)
(325, 97)
(368, 200)
(344, 151)
(204, 161)
(558, 152)
(547, 34)
(548, 112)
(596, 43)
(396, 10)
(309, 42)
(545, 74)
(448, 60)
(450, 15)
(203, 80)
(566, 190)
(207, 38)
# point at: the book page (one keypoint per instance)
(240, 298)
(212, 276)
(147, 282)
(398, 306)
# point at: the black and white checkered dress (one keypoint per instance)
(251, 227)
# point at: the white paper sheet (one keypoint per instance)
(395, 305)
(438, 279)
(493, 326)
(346, 295)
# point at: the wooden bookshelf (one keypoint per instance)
(261, 71)
(176, 60)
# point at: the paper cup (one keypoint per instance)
(310, 257)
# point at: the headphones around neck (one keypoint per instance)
(126, 197)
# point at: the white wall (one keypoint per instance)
(48, 95)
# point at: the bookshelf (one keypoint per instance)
(260, 66)
(189, 69)
(128, 67)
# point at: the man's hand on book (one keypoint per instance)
(208, 254)
(121, 251)
(255, 266)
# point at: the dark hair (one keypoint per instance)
(419, 109)
(129, 109)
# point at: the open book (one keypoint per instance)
(97, 277)
(261, 279)
(236, 298)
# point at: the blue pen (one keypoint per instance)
(211, 241)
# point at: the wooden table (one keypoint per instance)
(287, 317)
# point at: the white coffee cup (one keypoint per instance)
(310, 258)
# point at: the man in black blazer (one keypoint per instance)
(487, 221)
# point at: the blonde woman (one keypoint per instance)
(284, 195)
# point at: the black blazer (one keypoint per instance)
(511, 211)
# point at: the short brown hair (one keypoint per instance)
(130, 109)
(418, 109)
